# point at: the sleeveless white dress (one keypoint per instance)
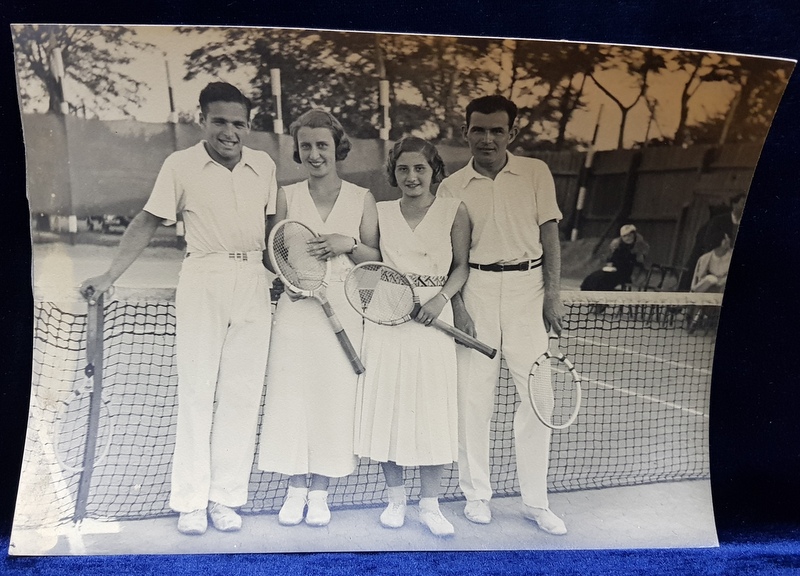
(406, 408)
(310, 385)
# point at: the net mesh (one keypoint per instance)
(645, 363)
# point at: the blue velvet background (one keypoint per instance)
(755, 437)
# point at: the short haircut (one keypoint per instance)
(715, 236)
(223, 92)
(319, 118)
(492, 104)
(414, 144)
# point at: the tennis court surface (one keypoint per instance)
(631, 472)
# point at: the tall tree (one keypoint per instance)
(93, 60)
(638, 64)
(699, 69)
(333, 70)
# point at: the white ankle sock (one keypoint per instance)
(397, 494)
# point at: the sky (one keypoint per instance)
(170, 50)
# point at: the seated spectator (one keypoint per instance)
(625, 253)
(726, 221)
(710, 275)
(711, 271)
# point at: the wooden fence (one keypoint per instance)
(82, 167)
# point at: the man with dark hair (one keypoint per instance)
(224, 192)
(511, 299)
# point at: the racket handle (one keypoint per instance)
(465, 338)
(347, 346)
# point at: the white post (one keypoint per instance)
(384, 103)
(275, 82)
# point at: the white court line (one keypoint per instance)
(630, 392)
(633, 352)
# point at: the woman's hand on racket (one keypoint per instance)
(293, 296)
(326, 246)
(430, 310)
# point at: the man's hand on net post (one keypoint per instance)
(92, 288)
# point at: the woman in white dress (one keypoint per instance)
(406, 406)
(311, 387)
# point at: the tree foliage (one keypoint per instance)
(94, 59)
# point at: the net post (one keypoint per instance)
(94, 369)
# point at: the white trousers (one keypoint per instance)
(222, 339)
(507, 310)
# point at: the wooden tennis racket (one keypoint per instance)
(386, 296)
(554, 388)
(306, 275)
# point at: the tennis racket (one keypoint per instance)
(84, 427)
(71, 426)
(554, 388)
(386, 296)
(306, 275)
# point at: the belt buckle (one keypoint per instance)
(238, 256)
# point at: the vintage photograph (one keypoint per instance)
(308, 290)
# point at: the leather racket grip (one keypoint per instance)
(465, 338)
(347, 346)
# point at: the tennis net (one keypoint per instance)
(645, 359)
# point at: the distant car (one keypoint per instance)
(114, 224)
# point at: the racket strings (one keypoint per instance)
(554, 391)
(381, 294)
(299, 268)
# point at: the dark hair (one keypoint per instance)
(492, 104)
(319, 118)
(414, 144)
(223, 92)
(715, 236)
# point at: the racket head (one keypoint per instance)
(380, 293)
(70, 428)
(287, 247)
(554, 390)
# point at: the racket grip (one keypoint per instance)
(465, 338)
(347, 346)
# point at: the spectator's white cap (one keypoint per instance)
(627, 229)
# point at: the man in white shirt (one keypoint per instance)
(510, 300)
(224, 192)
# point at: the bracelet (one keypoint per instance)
(446, 298)
(355, 245)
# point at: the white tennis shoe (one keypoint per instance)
(318, 513)
(193, 523)
(394, 516)
(223, 518)
(436, 522)
(478, 511)
(294, 506)
(545, 519)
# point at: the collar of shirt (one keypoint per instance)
(512, 167)
(248, 158)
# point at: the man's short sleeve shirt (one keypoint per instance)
(223, 210)
(505, 212)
